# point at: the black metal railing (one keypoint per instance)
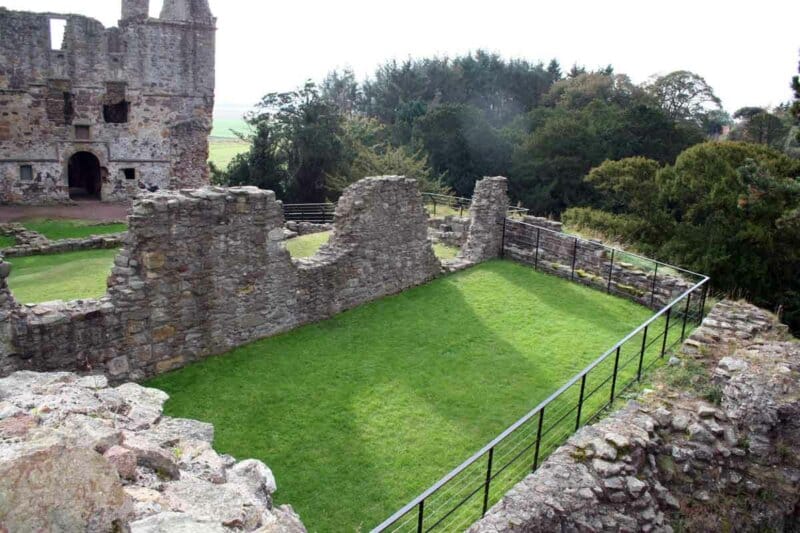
(442, 205)
(463, 495)
(314, 213)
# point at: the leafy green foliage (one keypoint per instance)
(729, 209)
(685, 96)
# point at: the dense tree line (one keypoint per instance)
(639, 162)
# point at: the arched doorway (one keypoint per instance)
(84, 176)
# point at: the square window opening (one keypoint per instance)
(26, 172)
(130, 173)
(116, 113)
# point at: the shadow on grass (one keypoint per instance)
(358, 414)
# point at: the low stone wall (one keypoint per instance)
(306, 228)
(449, 230)
(593, 263)
(204, 271)
(712, 451)
(77, 455)
(33, 243)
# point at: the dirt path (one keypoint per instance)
(83, 210)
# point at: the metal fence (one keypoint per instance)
(442, 205)
(463, 495)
(315, 213)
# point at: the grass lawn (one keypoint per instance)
(7, 241)
(221, 151)
(67, 276)
(70, 229)
(307, 245)
(358, 414)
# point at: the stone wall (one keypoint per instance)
(29, 242)
(487, 214)
(137, 98)
(593, 262)
(77, 455)
(450, 230)
(711, 448)
(306, 228)
(204, 271)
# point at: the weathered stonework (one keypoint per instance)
(306, 228)
(206, 270)
(77, 455)
(593, 263)
(487, 214)
(30, 242)
(719, 455)
(450, 230)
(108, 110)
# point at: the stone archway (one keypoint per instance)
(84, 176)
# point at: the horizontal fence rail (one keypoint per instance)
(464, 494)
(314, 213)
(436, 204)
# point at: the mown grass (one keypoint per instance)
(67, 276)
(7, 241)
(358, 414)
(222, 151)
(307, 245)
(71, 229)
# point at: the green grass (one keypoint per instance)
(307, 245)
(71, 229)
(67, 276)
(358, 414)
(222, 151)
(7, 241)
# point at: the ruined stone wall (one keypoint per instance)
(450, 230)
(711, 448)
(593, 263)
(161, 70)
(487, 214)
(204, 271)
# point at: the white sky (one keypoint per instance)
(747, 51)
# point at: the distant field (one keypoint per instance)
(224, 127)
(222, 151)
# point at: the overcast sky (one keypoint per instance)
(747, 51)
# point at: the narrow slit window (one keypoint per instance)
(26, 172)
(130, 173)
(58, 28)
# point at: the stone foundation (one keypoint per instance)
(29, 242)
(716, 453)
(204, 271)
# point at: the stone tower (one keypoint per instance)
(187, 11)
(135, 9)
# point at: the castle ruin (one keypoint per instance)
(104, 112)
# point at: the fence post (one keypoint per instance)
(574, 257)
(538, 440)
(434, 206)
(460, 209)
(641, 354)
(685, 316)
(580, 403)
(614, 376)
(653, 288)
(703, 303)
(536, 258)
(420, 516)
(666, 332)
(488, 481)
(610, 270)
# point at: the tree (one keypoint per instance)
(727, 209)
(462, 145)
(796, 105)
(342, 90)
(296, 143)
(684, 96)
(757, 125)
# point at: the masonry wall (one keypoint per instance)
(204, 271)
(552, 251)
(162, 69)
